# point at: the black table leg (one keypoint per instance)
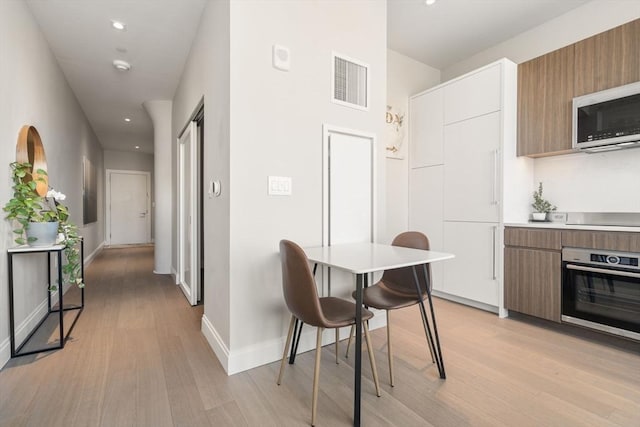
(297, 331)
(360, 280)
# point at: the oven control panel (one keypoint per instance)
(605, 258)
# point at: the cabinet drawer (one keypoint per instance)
(606, 240)
(533, 238)
(532, 282)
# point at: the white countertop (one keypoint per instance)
(561, 226)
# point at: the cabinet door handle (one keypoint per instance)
(494, 199)
(607, 271)
(494, 231)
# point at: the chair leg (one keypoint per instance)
(389, 349)
(316, 376)
(351, 334)
(337, 341)
(372, 359)
(286, 346)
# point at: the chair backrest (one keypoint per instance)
(298, 285)
(402, 279)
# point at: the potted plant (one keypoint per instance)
(32, 211)
(541, 207)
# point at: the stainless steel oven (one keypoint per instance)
(601, 290)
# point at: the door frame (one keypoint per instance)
(327, 130)
(108, 173)
(193, 179)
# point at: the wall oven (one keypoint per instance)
(601, 290)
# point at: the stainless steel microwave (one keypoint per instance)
(607, 120)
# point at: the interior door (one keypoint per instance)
(129, 219)
(349, 179)
(188, 234)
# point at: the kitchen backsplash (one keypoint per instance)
(602, 182)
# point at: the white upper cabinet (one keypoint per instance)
(473, 95)
(472, 169)
(425, 129)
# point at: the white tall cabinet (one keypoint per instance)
(465, 180)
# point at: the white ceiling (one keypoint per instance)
(160, 32)
(157, 40)
(452, 30)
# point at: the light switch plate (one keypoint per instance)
(279, 186)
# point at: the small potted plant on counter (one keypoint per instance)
(31, 211)
(541, 207)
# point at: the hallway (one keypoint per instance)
(137, 358)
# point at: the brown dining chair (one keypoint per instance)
(302, 299)
(397, 289)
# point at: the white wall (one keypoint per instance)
(34, 91)
(405, 77)
(258, 122)
(601, 182)
(206, 75)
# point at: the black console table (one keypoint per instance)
(51, 251)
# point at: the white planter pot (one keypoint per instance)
(45, 233)
(539, 216)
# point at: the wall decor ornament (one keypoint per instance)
(395, 133)
(29, 149)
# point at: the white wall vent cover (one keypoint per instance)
(350, 82)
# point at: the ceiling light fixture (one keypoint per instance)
(429, 2)
(117, 25)
(137, 147)
(127, 119)
(121, 65)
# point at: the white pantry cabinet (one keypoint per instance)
(470, 190)
(425, 128)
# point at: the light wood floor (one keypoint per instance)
(137, 358)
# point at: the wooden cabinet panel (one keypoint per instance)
(634, 242)
(608, 59)
(605, 240)
(533, 238)
(532, 282)
(545, 94)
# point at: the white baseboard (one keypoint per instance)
(27, 325)
(92, 255)
(465, 301)
(174, 273)
(252, 356)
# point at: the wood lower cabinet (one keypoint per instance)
(532, 271)
(532, 282)
(603, 240)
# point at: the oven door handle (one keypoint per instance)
(603, 271)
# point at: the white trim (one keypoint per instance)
(270, 351)
(108, 173)
(335, 55)
(465, 301)
(89, 259)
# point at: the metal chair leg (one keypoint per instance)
(389, 349)
(337, 341)
(286, 346)
(316, 377)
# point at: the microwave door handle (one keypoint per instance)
(603, 271)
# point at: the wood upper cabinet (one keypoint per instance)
(608, 59)
(532, 282)
(545, 94)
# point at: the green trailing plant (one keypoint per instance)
(539, 203)
(28, 206)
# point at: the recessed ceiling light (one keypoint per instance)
(429, 2)
(121, 65)
(137, 147)
(120, 26)
(127, 119)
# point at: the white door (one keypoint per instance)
(128, 215)
(473, 273)
(471, 169)
(425, 129)
(349, 196)
(188, 269)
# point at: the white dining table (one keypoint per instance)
(360, 259)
